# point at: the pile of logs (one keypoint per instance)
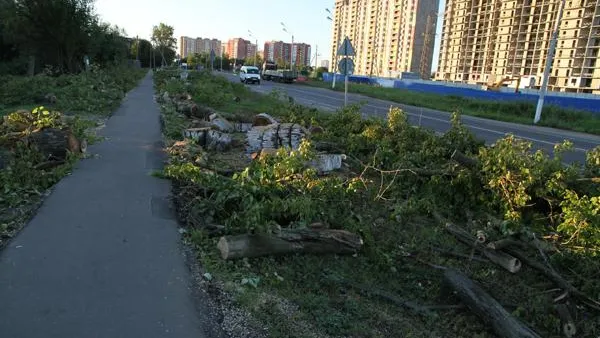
(275, 136)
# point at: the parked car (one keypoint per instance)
(249, 74)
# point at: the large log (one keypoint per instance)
(313, 241)
(55, 144)
(486, 307)
(220, 123)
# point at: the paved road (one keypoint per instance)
(488, 130)
(102, 256)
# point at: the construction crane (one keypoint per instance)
(425, 65)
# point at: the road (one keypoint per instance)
(488, 130)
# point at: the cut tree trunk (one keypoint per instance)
(486, 307)
(55, 144)
(263, 119)
(220, 123)
(211, 139)
(290, 241)
(275, 136)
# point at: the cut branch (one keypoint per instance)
(502, 259)
(486, 307)
(556, 278)
(464, 160)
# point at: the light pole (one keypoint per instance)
(255, 46)
(335, 55)
(549, 59)
(292, 61)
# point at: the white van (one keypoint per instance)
(249, 74)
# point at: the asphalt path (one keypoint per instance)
(488, 130)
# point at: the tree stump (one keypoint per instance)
(55, 144)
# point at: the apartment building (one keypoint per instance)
(189, 46)
(238, 48)
(389, 36)
(486, 41)
(301, 52)
(275, 51)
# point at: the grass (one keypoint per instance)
(317, 296)
(513, 111)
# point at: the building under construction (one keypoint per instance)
(389, 36)
(495, 42)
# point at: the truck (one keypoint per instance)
(271, 73)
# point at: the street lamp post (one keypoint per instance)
(335, 55)
(255, 47)
(549, 59)
(292, 61)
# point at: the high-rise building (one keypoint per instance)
(389, 36)
(273, 51)
(251, 49)
(279, 51)
(301, 52)
(484, 42)
(188, 46)
(237, 48)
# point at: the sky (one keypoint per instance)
(306, 19)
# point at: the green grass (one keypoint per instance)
(517, 112)
(95, 93)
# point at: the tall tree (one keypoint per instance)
(162, 36)
(55, 31)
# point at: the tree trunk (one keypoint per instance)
(31, 65)
(54, 144)
(290, 241)
(486, 307)
(464, 160)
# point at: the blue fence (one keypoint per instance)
(590, 104)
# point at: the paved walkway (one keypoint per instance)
(102, 256)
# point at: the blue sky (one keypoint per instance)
(306, 19)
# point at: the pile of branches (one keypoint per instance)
(408, 171)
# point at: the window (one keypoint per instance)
(566, 81)
(568, 72)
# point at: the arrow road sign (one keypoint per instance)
(346, 49)
(346, 66)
